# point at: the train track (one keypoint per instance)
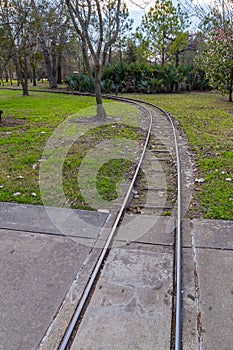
(167, 153)
(160, 142)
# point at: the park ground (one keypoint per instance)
(206, 120)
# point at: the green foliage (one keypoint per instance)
(216, 61)
(215, 57)
(80, 82)
(141, 77)
(163, 31)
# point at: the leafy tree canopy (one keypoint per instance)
(163, 31)
(216, 55)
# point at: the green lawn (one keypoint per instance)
(29, 122)
(207, 120)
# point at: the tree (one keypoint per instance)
(5, 40)
(130, 54)
(216, 53)
(126, 25)
(52, 28)
(17, 32)
(89, 18)
(163, 31)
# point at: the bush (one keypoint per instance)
(80, 82)
(141, 78)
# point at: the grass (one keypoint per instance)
(104, 170)
(28, 124)
(207, 120)
(39, 85)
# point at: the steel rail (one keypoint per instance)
(178, 331)
(97, 268)
(178, 335)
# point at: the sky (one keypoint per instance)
(137, 16)
(137, 8)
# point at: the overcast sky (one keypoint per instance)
(137, 16)
(137, 8)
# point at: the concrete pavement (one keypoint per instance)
(208, 284)
(39, 264)
(47, 255)
(131, 307)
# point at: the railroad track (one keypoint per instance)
(163, 167)
(160, 159)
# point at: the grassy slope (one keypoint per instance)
(207, 120)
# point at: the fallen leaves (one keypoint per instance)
(17, 194)
(201, 180)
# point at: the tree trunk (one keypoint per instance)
(110, 55)
(1, 80)
(163, 57)
(34, 75)
(100, 111)
(23, 75)
(25, 85)
(231, 87)
(50, 71)
(7, 77)
(54, 67)
(11, 77)
(24, 81)
(59, 68)
(230, 94)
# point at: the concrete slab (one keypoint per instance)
(146, 229)
(213, 233)
(207, 284)
(215, 276)
(39, 267)
(189, 312)
(59, 221)
(132, 304)
(55, 332)
(36, 272)
(186, 233)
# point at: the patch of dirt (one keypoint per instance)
(10, 122)
(95, 120)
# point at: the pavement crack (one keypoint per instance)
(197, 289)
(214, 248)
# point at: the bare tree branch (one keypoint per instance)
(89, 18)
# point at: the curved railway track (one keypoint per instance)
(166, 155)
(167, 152)
(178, 243)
